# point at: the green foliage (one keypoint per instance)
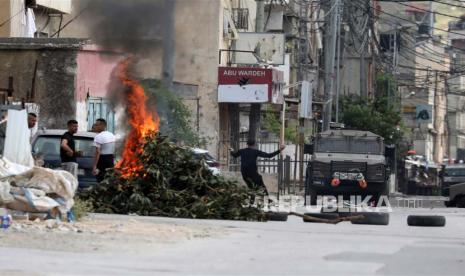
(375, 116)
(385, 86)
(272, 123)
(175, 116)
(173, 182)
(82, 207)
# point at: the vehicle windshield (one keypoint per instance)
(205, 156)
(349, 145)
(50, 145)
(454, 172)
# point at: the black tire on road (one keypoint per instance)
(321, 216)
(460, 201)
(371, 218)
(430, 221)
(312, 196)
(276, 216)
(337, 212)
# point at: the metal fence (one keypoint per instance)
(286, 168)
(290, 180)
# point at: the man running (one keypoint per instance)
(249, 168)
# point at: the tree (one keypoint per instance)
(175, 116)
(380, 115)
(373, 115)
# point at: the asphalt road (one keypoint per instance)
(271, 248)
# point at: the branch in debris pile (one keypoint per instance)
(330, 221)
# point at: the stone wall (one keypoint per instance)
(55, 79)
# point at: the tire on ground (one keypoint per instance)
(460, 201)
(371, 218)
(431, 221)
(329, 216)
(276, 216)
(340, 213)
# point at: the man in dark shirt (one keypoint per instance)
(249, 168)
(68, 151)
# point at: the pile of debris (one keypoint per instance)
(169, 180)
(36, 189)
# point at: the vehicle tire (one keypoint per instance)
(276, 216)
(321, 216)
(383, 192)
(431, 221)
(337, 212)
(371, 218)
(312, 196)
(460, 201)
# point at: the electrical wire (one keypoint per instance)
(9, 19)
(433, 12)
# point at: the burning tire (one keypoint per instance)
(430, 221)
(371, 218)
(276, 216)
(329, 216)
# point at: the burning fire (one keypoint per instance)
(141, 120)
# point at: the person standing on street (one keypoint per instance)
(104, 144)
(68, 151)
(249, 168)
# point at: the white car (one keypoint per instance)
(212, 164)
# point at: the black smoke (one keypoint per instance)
(130, 26)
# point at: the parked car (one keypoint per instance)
(212, 164)
(456, 195)
(47, 144)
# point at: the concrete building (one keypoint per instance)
(417, 62)
(201, 29)
(456, 91)
(32, 18)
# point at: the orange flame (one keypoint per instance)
(141, 121)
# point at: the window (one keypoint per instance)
(50, 145)
(387, 42)
(332, 145)
(454, 172)
(240, 17)
(365, 146)
(100, 108)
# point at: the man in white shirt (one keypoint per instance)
(104, 144)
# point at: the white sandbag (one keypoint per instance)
(17, 144)
(36, 204)
(8, 168)
(20, 191)
(50, 181)
(5, 196)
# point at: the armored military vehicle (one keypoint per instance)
(451, 174)
(456, 195)
(346, 163)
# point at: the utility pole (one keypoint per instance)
(339, 56)
(439, 118)
(168, 44)
(446, 90)
(303, 61)
(330, 51)
(255, 108)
